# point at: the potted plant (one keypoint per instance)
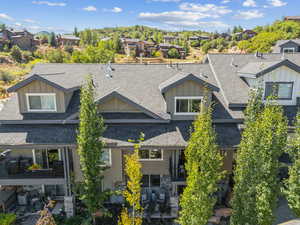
(34, 167)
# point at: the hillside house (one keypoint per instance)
(67, 40)
(292, 18)
(22, 38)
(137, 47)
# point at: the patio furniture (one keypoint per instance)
(12, 167)
(24, 164)
(23, 198)
(58, 168)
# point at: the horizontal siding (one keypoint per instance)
(282, 74)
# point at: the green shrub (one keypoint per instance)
(8, 219)
(6, 76)
(156, 54)
(173, 53)
(27, 56)
(16, 54)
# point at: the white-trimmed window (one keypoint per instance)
(151, 154)
(41, 102)
(187, 105)
(288, 50)
(106, 157)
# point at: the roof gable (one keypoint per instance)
(181, 78)
(35, 77)
(129, 101)
(257, 69)
(295, 41)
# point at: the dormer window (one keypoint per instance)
(288, 50)
(187, 105)
(41, 102)
(280, 90)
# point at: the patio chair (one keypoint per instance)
(58, 168)
(12, 167)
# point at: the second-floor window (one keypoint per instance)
(289, 50)
(187, 105)
(151, 154)
(280, 90)
(41, 102)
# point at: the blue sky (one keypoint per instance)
(63, 15)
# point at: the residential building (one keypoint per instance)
(22, 38)
(164, 49)
(199, 38)
(137, 47)
(292, 18)
(67, 40)
(246, 34)
(39, 122)
(170, 39)
(287, 46)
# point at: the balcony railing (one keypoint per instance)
(19, 168)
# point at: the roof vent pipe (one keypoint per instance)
(232, 63)
(258, 54)
(108, 70)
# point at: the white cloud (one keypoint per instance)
(6, 17)
(199, 24)
(113, 10)
(226, 1)
(249, 3)
(276, 3)
(206, 8)
(90, 8)
(49, 3)
(182, 19)
(172, 16)
(248, 15)
(18, 24)
(117, 10)
(30, 21)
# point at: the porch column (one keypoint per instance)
(68, 199)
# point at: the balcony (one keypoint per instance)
(20, 167)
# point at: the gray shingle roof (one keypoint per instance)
(234, 90)
(138, 82)
(174, 134)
